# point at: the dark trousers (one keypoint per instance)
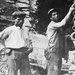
(54, 65)
(18, 61)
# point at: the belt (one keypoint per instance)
(8, 50)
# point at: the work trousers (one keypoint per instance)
(54, 65)
(18, 63)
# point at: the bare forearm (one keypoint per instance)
(67, 17)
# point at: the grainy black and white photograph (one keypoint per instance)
(37, 37)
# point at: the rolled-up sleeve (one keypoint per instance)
(5, 33)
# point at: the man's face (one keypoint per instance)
(19, 22)
(55, 17)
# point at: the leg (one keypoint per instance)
(12, 65)
(24, 66)
(59, 66)
(12, 69)
(54, 65)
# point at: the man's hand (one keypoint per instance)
(72, 7)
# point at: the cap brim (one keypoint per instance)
(50, 10)
(54, 10)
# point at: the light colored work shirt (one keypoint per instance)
(53, 36)
(14, 36)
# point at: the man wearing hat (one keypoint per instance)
(17, 45)
(54, 51)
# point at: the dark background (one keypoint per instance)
(42, 13)
(45, 5)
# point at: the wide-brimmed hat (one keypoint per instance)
(18, 14)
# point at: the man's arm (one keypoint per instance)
(5, 33)
(66, 18)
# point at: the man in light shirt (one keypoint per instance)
(18, 45)
(55, 46)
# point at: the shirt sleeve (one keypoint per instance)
(5, 32)
(58, 25)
